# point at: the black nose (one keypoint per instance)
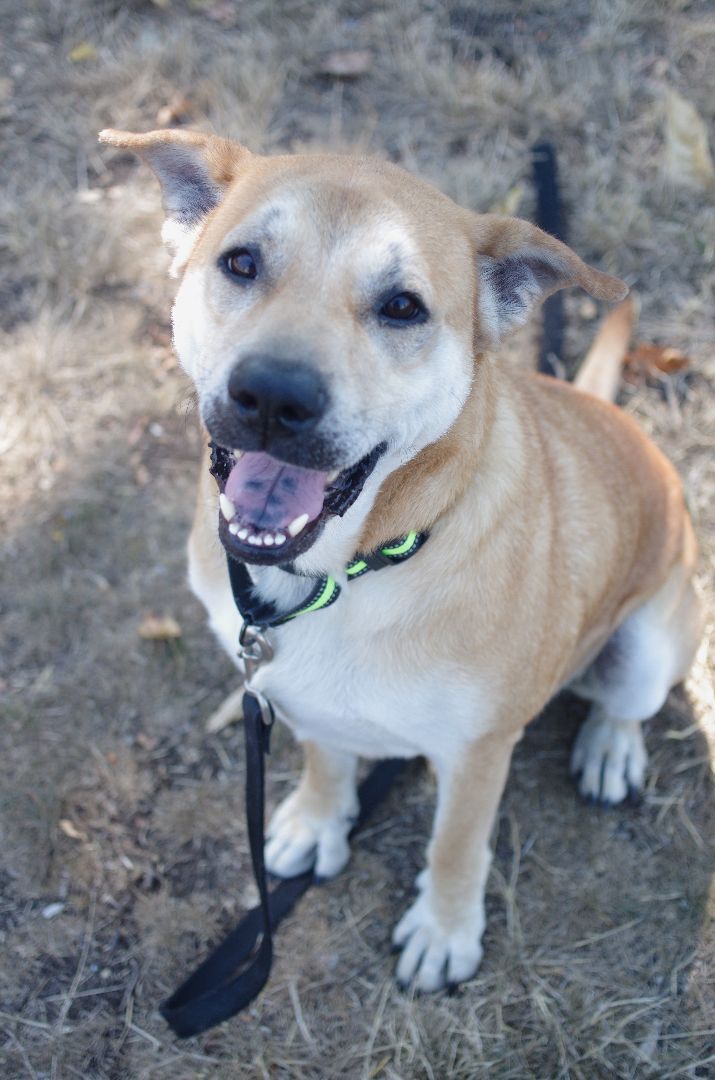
(277, 397)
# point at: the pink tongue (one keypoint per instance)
(270, 494)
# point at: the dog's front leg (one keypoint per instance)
(440, 934)
(311, 826)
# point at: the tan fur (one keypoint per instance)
(552, 517)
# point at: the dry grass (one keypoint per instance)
(116, 808)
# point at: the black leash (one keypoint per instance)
(238, 969)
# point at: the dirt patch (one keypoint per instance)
(124, 849)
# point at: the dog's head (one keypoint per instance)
(330, 311)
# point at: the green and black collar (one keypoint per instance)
(263, 614)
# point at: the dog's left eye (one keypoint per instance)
(240, 263)
(404, 307)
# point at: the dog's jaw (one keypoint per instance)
(251, 543)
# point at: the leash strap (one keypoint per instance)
(236, 971)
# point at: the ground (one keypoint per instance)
(124, 847)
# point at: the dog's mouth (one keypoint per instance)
(270, 511)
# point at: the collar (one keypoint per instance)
(263, 615)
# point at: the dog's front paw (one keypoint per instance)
(432, 956)
(298, 839)
(608, 759)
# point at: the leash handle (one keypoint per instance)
(235, 972)
(222, 985)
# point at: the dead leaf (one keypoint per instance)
(137, 430)
(159, 628)
(141, 473)
(146, 742)
(84, 51)
(71, 830)
(510, 203)
(346, 63)
(687, 153)
(654, 361)
(175, 111)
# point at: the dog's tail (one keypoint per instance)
(600, 372)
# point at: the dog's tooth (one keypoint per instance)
(233, 529)
(268, 539)
(241, 533)
(333, 475)
(227, 508)
(279, 539)
(298, 525)
(255, 540)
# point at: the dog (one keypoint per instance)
(341, 321)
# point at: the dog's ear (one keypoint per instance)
(519, 265)
(194, 171)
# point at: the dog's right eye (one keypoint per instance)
(240, 263)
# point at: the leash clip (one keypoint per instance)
(254, 649)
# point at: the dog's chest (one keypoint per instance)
(340, 682)
(351, 677)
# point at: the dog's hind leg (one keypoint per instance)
(311, 826)
(628, 683)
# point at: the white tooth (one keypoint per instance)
(298, 525)
(268, 539)
(242, 533)
(255, 540)
(233, 529)
(280, 539)
(333, 475)
(227, 508)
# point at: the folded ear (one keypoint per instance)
(194, 171)
(519, 265)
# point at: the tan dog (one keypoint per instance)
(340, 320)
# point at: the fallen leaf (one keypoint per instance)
(71, 830)
(84, 51)
(141, 473)
(176, 110)
(137, 430)
(687, 153)
(655, 360)
(146, 742)
(510, 203)
(346, 63)
(159, 628)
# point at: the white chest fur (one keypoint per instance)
(348, 676)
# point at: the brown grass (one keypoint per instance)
(116, 807)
